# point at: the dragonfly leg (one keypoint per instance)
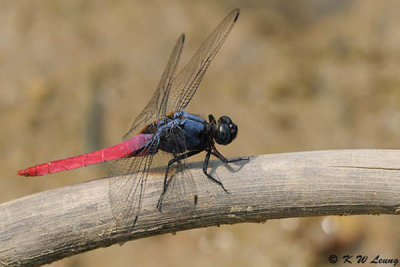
(178, 161)
(216, 153)
(211, 119)
(166, 184)
(205, 166)
(166, 181)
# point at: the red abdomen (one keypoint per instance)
(110, 153)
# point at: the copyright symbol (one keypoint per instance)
(333, 259)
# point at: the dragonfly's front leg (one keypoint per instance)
(205, 166)
(216, 153)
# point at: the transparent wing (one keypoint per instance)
(181, 195)
(187, 193)
(188, 79)
(130, 177)
(172, 93)
(181, 190)
(158, 102)
(126, 189)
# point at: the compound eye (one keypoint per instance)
(226, 131)
(223, 134)
(234, 131)
(225, 119)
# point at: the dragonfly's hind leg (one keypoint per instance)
(166, 181)
(180, 164)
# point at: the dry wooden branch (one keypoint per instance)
(51, 225)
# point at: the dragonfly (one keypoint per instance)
(163, 134)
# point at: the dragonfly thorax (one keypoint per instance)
(224, 130)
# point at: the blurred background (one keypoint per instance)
(294, 75)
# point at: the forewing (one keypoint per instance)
(156, 108)
(188, 79)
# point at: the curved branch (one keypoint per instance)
(51, 225)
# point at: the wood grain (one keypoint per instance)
(51, 225)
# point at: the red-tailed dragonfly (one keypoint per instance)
(163, 134)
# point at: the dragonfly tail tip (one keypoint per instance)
(21, 172)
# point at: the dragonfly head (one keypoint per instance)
(225, 131)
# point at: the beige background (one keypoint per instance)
(294, 76)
